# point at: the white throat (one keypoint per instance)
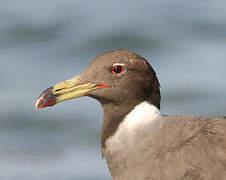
(143, 114)
(136, 123)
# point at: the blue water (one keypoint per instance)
(42, 43)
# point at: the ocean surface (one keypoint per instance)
(45, 42)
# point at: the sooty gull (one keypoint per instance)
(138, 142)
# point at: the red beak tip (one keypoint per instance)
(37, 104)
(45, 99)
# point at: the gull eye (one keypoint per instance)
(118, 68)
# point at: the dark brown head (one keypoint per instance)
(114, 77)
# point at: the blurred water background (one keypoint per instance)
(45, 42)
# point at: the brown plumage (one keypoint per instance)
(174, 148)
(164, 148)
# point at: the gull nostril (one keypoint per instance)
(58, 90)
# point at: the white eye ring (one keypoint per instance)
(118, 69)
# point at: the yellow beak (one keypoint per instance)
(66, 90)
